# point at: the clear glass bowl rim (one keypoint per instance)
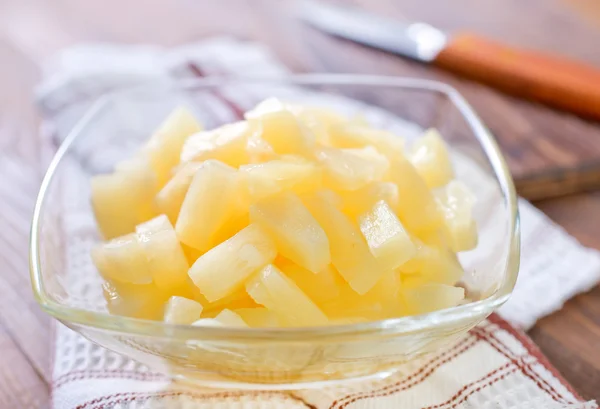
(402, 325)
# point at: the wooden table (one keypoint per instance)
(32, 30)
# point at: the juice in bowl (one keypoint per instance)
(315, 239)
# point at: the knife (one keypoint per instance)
(549, 79)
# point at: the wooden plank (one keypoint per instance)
(20, 384)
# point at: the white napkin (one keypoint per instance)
(86, 373)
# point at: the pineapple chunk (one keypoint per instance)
(122, 260)
(166, 259)
(386, 237)
(349, 251)
(319, 121)
(286, 134)
(169, 199)
(224, 268)
(417, 209)
(131, 300)
(230, 319)
(351, 169)
(320, 287)
(227, 144)
(429, 155)
(123, 199)
(357, 202)
(269, 105)
(238, 299)
(271, 288)
(457, 202)
(164, 147)
(353, 135)
(434, 264)
(180, 310)
(432, 297)
(258, 317)
(275, 176)
(211, 200)
(295, 231)
(387, 294)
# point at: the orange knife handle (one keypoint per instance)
(552, 80)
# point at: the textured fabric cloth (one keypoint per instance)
(494, 366)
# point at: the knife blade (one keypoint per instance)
(549, 79)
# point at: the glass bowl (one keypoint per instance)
(67, 285)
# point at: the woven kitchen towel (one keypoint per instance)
(495, 366)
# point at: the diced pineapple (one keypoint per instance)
(275, 176)
(349, 251)
(211, 200)
(227, 144)
(166, 259)
(122, 260)
(387, 294)
(357, 202)
(224, 268)
(230, 319)
(320, 287)
(238, 299)
(354, 135)
(191, 254)
(180, 310)
(429, 155)
(258, 317)
(432, 297)
(295, 231)
(417, 208)
(386, 237)
(281, 295)
(169, 199)
(319, 120)
(434, 264)
(137, 301)
(457, 203)
(351, 169)
(286, 134)
(123, 199)
(164, 147)
(231, 228)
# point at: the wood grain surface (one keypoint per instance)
(533, 137)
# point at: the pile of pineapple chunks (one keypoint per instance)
(295, 216)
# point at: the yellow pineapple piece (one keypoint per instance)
(180, 310)
(211, 200)
(278, 293)
(267, 106)
(349, 251)
(238, 299)
(355, 135)
(357, 202)
(320, 287)
(295, 231)
(457, 202)
(164, 147)
(122, 260)
(319, 120)
(387, 239)
(429, 155)
(269, 178)
(227, 144)
(258, 317)
(166, 259)
(431, 297)
(387, 294)
(433, 264)
(123, 199)
(286, 134)
(230, 319)
(351, 169)
(224, 268)
(144, 301)
(169, 199)
(417, 209)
